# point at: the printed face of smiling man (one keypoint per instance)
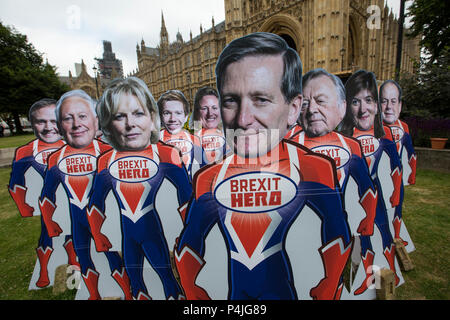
(253, 105)
(173, 116)
(43, 122)
(77, 121)
(390, 103)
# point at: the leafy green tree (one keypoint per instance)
(24, 77)
(426, 92)
(431, 19)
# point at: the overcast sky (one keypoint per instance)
(66, 31)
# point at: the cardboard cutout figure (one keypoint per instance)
(173, 110)
(134, 171)
(293, 131)
(207, 123)
(253, 205)
(73, 166)
(135, 190)
(363, 121)
(323, 109)
(257, 195)
(391, 104)
(28, 169)
(213, 143)
(193, 155)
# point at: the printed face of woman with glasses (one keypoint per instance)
(364, 108)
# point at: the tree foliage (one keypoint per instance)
(431, 19)
(24, 77)
(426, 92)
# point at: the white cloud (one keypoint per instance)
(67, 31)
(70, 30)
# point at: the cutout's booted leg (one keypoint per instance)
(334, 257)
(124, 283)
(43, 257)
(390, 257)
(189, 264)
(367, 263)
(71, 255)
(91, 281)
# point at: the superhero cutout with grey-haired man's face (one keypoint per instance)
(322, 110)
(73, 166)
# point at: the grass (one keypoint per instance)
(425, 214)
(16, 140)
(18, 240)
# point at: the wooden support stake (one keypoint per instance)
(61, 276)
(403, 256)
(386, 288)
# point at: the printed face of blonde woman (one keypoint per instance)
(364, 108)
(132, 124)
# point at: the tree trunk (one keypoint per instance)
(17, 123)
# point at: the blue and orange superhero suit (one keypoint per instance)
(403, 141)
(35, 154)
(254, 201)
(75, 169)
(135, 178)
(347, 154)
(373, 149)
(194, 157)
(294, 130)
(213, 143)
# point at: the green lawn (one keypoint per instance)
(16, 140)
(18, 240)
(426, 215)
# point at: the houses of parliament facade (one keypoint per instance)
(337, 35)
(340, 36)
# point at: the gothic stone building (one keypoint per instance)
(84, 82)
(340, 36)
(108, 68)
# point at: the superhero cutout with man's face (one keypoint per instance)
(323, 109)
(363, 122)
(73, 167)
(391, 105)
(267, 222)
(173, 117)
(25, 185)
